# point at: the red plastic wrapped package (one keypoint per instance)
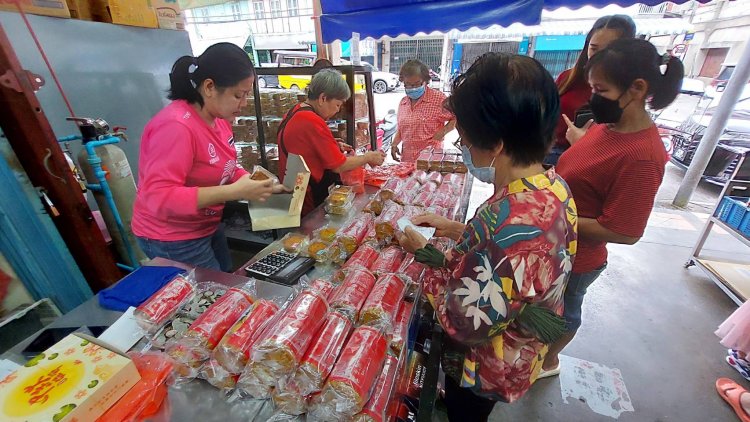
(422, 199)
(407, 191)
(420, 176)
(376, 408)
(388, 261)
(164, 304)
(211, 326)
(324, 287)
(411, 270)
(321, 356)
(454, 179)
(218, 376)
(449, 189)
(354, 178)
(353, 292)
(147, 395)
(363, 257)
(233, 351)
(386, 223)
(390, 188)
(383, 302)
(435, 177)
(379, 175)
(283, 345)
(353, 233)
(351, 382)
(401, 326)
(411, 211)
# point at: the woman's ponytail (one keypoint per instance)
(181, 83)
(667, 87)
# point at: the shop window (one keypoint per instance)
(293, 6)
(258, 9)
(276, 8)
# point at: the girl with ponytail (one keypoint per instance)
(188, 163)
(615, 169)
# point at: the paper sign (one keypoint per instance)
(427, 232)
(124, 333)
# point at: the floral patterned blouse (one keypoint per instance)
(518, 249)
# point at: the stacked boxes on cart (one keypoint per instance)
(735, 212)
(337, 348)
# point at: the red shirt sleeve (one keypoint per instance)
(329, 154)
(165, 162)
(629, 201)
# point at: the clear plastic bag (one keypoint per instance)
(207, 293)
(383, 302)
(261, 174)
(207, 330)
(400, 330)
(435, 177)
(407, 191)
(376, 408)
(351, 382)
(147, 395)
(165, 303)
(321, 356)
(420, 176)
(218, 376)
(364, 257)
(283, 345)
(389, 189)
(324, 287)
(411, 270)
(353, 232)
(351, 295)
(233, 352)
(389, 261)
(422, 199)
(386, 223)
(294, 242)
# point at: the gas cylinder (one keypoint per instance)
(121, 183)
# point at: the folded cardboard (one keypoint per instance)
(283, 210)
(57, 8)
(77, 379)
(168, 14)
(80, 9)
(124, 12)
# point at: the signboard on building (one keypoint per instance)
(689, 36)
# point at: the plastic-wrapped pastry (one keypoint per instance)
(422, 199)
(164, 304)
(386, 223)
(435, 177)
(400, 332)
(375, 206)
(420, 176)
(383, 302)
(218, 376)
(389, 189)
(363, 257)
(318, 250)
(324, 287)
(321, 356)
(411, 270)
(349, 386)
(282, 346)
(351, 295)
(327, 233)
(211, 326)
(388, 261)
(376, 408)
(407, 191)
(294, 242)
(353, 233)
(233, 352)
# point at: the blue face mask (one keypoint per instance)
(415, 93)
(483, 174)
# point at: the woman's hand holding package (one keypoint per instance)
(253, 190)
(375, 158)
(411, 241)
(443, 226)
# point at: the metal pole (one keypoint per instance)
(706, 148)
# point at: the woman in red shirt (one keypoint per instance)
(615, 170)
(574, 89)
(304, 132)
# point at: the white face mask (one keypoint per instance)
(483, 174)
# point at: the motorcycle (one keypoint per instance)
(386, 130)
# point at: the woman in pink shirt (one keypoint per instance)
(188, 163)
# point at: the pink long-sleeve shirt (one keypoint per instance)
(180, 153)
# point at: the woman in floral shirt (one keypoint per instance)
(499, 292)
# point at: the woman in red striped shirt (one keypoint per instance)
(615, 169)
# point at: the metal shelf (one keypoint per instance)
(734, 232)
(720, 281)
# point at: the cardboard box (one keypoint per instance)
(283, 210)
(57, 8)
(80, 9)
(77, 379)
(168, 14)
(124, 12)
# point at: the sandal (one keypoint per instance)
(731, 392)
(549, 373)
(738, 365)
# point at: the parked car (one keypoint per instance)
(382, 82)
(733, 143)
(268, 81)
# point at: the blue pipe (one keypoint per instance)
(103, 186)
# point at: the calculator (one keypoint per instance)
(280, 267)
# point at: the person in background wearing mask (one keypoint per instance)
(514, 256)
(188, 163)
(304, 132)
(615, 169)
(422, 120)
(573, 86)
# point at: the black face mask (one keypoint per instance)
(605, 110)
